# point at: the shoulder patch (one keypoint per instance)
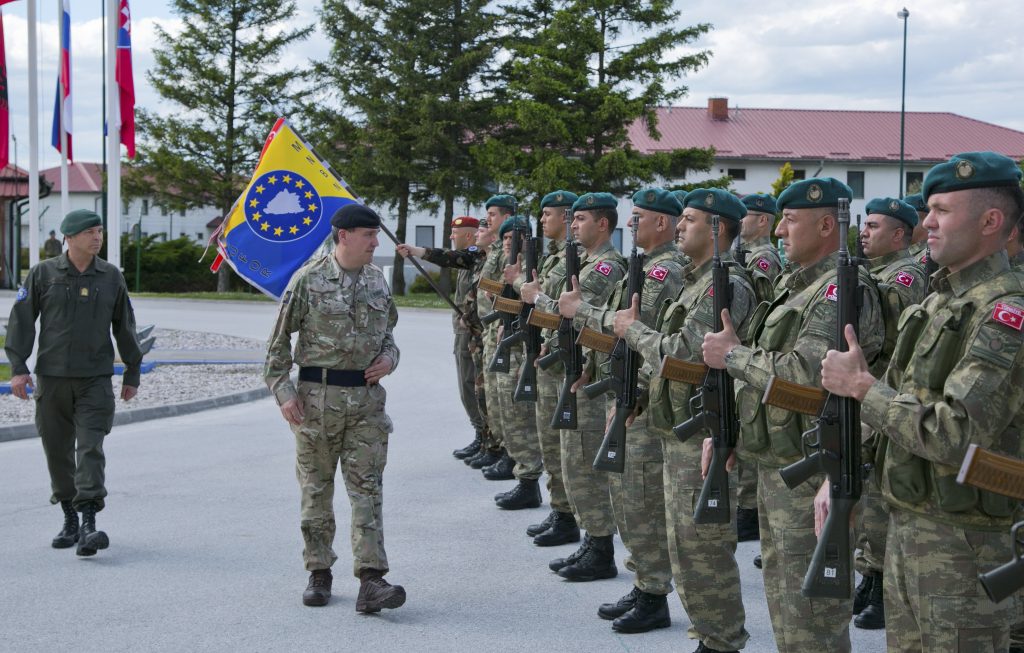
(763, 264)
(904, 279)
(1008, 314)
(472, 248)
(604, 268)
(658, 272)
(711, 290)
(924, 258)
(22, 294)
(832, 292)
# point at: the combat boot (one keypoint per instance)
(615, 610)
(862, 593)
(483, 459)
(872, 617)
(560, 563)
(533, 530)
(757, 561)
(563, 530)
(469, 450)
(318, 590)
(68, 535)
(90, 540)
(649, 613)
(375, 593)
(701, 648)
(501, 470)
(524, 495)
(597, 563)
(747, 527)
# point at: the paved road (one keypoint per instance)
(205, 556)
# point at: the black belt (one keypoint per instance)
(343, 378)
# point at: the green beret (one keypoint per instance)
(559, 198)
(594, 201)
(893, 208)
(78, 221)
(971, 170)
(917, 201)
(759, 203)
(814, 193)
(681, 196)
(658, 200)
(512, 222)
(718, 202)
(354, 215)
(502, 201)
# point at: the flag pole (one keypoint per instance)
(33, 141)
(113, 139)
(65, 199)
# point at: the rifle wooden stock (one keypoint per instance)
(544, 320)
(491, 286)
(507, 305)
(596, 340)
(676, 369)
(993, 472)
(798, 398)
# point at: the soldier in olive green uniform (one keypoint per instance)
(790, 339)
(52, 246)
(703, 555)
(342, 310)
(919, 239)
(638, 494)
(79, 299)
(956, 379)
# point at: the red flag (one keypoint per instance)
(123, 74)
(5, 117)
(62, 102)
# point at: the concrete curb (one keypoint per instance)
(25, 431)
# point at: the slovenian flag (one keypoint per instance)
(123, 74)
(63, 83)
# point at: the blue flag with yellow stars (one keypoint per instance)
(284, 213)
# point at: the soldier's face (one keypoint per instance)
(878, 235)
(484, 236)
(801, 234)
(955, 230)
(648, 224)
(356, 246)
(585, 228)
(462, 237)
(553, 221)
(506, 243)
(693, 233)
(495, 216)
(750, 225)
(86, 242)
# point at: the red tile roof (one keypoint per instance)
(82, 177)
(13, 182)
(791, 134)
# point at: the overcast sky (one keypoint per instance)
(963, 56)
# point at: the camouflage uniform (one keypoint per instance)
(638, 494)
(585, 487)
(703, 556)
(791, 336)
(493, 268)
(956, 378)
(343, 324)
(1018, 260)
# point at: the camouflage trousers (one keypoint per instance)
(703, 555)
(585, 487)
(488, 439)
(933, 600)
(787, 545)
(346, 425)
(746, 486)
(491, 393)
(638, 503)
(518, 424)
(466, 370)
(872, 528)
(548, 385)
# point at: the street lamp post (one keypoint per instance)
(903, 15)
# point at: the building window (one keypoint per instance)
(855, 180)
(163, 211)
(739, 174)
(617, 238)
(182, 213)
(145, 207)
(124, 207)
(799, 174)
(199, 237)
(425, 236)
(914, 182)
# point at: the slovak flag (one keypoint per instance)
(123, 74)
(63, 83)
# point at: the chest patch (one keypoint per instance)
(832, 292)
(1009, 315)
(658, 272)
(83, 292)
(604, 268)
(763, 264)
(905, 279)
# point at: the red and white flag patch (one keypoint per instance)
(1009, 315)
(604, 267)
(905, 279)
(711, 290)
(658, 272)
(832, 292)
(763, 264)
(924, 258)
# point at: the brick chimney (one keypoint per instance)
(718, 108)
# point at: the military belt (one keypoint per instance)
(343, 378)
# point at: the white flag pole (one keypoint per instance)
(113, 143)
(33, 140)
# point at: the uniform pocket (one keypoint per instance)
(753, 429)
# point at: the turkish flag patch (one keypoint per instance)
(905, 279)
(604, 267)
(832, 292)
(1009, 315)
(658, 272)
(711, 291)
(763, 264)
(924, 258)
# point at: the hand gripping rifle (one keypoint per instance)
(526, 387)
(500, 362)
(714, 408)
(624, 364)
(833, 447)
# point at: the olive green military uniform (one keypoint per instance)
(52, 248)
(493, 269)
(74, 395)
(791, 337)
(638, 494)
(703, 555)
(344, 323)
(956, 378)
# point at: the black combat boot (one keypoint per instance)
(597, 563)
(559, 563)
(68, 535)
(757, 561)
(701, 648)
(862, 593)
(650, 612)
(469, 450)
(90, 540)
(524, 495)
(747, 528)
(563, 530)
(501, 470)
(375, 593)
(615, 610)
(318, 590)
(872, 617)
(483, 459)
(533, 530)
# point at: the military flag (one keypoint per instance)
(123, 75)
(284, 213)
(62, 102)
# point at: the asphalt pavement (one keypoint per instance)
(206, 551)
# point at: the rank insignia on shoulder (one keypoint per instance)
(905, 279)
(658, 272)
(604, 267)
(763, 264)
(1009, 315)
(832, 292)
(22, 294)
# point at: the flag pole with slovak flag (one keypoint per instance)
(5, 113)
(61, 134)
(123, 75)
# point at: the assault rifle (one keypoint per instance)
(500, 362)
(526, 387)
(833, 446)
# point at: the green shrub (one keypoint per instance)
(421, 286)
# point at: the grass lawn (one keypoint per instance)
(419, 300)
(5, 370)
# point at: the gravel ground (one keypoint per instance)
(175, 339)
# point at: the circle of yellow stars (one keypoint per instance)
(276, 181)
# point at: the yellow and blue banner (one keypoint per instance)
(284, 213)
